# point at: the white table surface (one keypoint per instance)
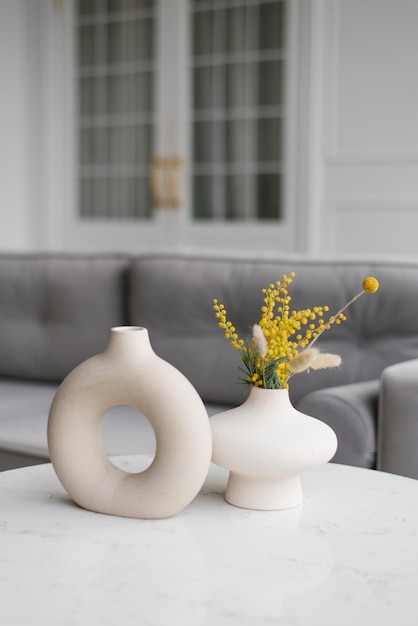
(347, 557)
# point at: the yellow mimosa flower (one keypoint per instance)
(282, 335)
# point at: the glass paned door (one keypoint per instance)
(185, 99)
(115, 86)
(238, 104)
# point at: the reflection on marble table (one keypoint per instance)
(348, 555)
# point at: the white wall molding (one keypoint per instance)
(382, 227)
(372, 159)
(370, 154)
(371, 87)
(384, 204)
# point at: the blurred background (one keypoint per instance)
(266, 125)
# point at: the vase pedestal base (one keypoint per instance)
(263, 494)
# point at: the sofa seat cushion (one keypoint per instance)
(351, 411)
(24, 409)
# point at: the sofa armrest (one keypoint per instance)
(351, 411)
(398, 419)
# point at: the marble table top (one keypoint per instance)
(348, 556)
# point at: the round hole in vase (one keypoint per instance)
(129, 373)
(122, 419)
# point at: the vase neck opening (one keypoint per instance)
(127, 329)
(124, 338)
(268, 396)
(261, 391)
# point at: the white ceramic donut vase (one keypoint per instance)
(129, 372)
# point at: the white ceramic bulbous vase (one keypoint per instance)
(129, 372)
(266, 444)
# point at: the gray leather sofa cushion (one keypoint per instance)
(24, 408)
(24, 418)
(56, 311)
(351, 412)
(398, 419)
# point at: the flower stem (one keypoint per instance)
(335, 317)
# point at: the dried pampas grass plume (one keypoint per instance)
(326, 360)
(303, 361)
(260, 342)
(315, 359)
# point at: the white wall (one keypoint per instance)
(358, 148)
(19, 125)
(369, 148)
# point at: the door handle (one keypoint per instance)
(156, 180)
(165, 183)
(172, 182)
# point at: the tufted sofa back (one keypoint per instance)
(172, 297)
(56, 310)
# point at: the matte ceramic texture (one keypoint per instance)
(129, 372)
(266, 444)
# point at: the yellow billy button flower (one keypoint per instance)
(370, 284)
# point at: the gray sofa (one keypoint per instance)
(56, 310)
